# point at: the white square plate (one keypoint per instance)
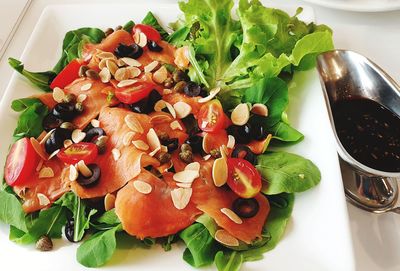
(317, 237)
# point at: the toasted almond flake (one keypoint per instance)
(136, 37)
(81, 98)
(151, 66)
(193, 166)
(126, 83)
(182, 109)
(127, 139)
(47, 136)
(226, 238)
(220, 172)
(73, 173)
(175, 125)
(54, 153)
(159, 106)
(38, 148)
(140, 145)
(109, 201)
(131, 62)
(83, 169)
(43, 199)
(163, 148)
(116, 154)
(260, 109)
(67, 143)
(210, 96)
(167, 91)
(103, 64)
(111, 66)
(184, 185)
(133, 124)
(241, 114)
(181, 197)
(58, 95)
(142, 187)
(155, 151)
(153, 140)
(160, 75)
(142, 40)
(121, 74)
(39, 166)
(206, 157)
(77, 135)
(224, 151)
(120, 63)
(231, 142)
(46, 172)
(231, 215)
(86, 87)
(95, 123)
(105, 75)
(186, 176)
(134, 72)
(104, 55)
(171, 109)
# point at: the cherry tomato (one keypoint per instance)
(211, 117)
(150, 32)
(21, 163)
(134, 93)
(67, 75)
(243, 178)
(79, 151)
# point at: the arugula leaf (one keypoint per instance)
(11, 211)
(178, 36)
(128, 26)
(287, 172)
(98, 249)
(228, 261)
(166, 242)
(286, 133)
(39, 79)
(30, 121)
(151, 20)
(109, 217)
(22, 104)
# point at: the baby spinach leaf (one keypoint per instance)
(20, 237)
(109, 218)
(284, 132)
(151, 20)
(11, 211)
(228, 260)
(22, 104)
(287, 172)
(98, 249)
(30, 121)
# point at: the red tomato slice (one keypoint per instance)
(134, 93)
(21, 163)
(150, 32)
(67, 75)
(211, 117)
(79, 151)
(243, 178)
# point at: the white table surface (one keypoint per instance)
(376, 238)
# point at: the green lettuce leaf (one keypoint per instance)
(151, 20)
(11, 211)
(228, 261)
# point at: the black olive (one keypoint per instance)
(92, 180)
(50, 122)
(94, 133)
(69, 230)
(56, 139)
(140, 107)
(191, 124)
(192, 89)
(154, 97)
(240, 133)
(133, 51)
(245, 208)
(170, 143)
(196, 142)
(241, 151)
(153, 46)
(258, 132)
(203, 93)
(64, 111)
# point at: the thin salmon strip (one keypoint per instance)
(179, 97)
(110, 43)
(161, 122)
(47, 99)
(166, 56)
(153, 214)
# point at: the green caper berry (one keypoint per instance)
(163, 136)
(186, 156)
(164, 157)
(168, 83)
(82, 71)
(79, 107)
(178, 76)
(180, 86)
(92, 74)
(69, 98)
(215, 153)
(101, 144)
(119, 27)
(108, 31)
(44, 243)
(67, 125)
(186, 147)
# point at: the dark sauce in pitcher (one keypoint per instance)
(369, 132)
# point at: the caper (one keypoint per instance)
(92, 74)
(215, 153)
(164, 157)
(69, 98)
(163, 136)
(44, 243)
(101, 143)
(180, 86)
(186, 147)
(67, 125)
(82, 70)
(108, 32)
(186, 156)
(119, 27)
(179, 75)
(168, 83)
(79, 107)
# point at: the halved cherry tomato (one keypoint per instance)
(134, 93)
(211, 117)
(243, 178)
(150, 32)
(79, 151)
(21, 162)
(67, 75)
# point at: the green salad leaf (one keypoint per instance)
(287, 172)
(286, 133)
(151, 20)
(11, 211)
(128, 26)
(228, 260)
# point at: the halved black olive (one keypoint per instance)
(94, 133)
(196, 143)
(92, 180)
(240, 133)
(50, 122)
(192, 89)
(153, 98)
(56, 140)
(191, 124)
(133, 51)
(153, 46)
(203, 93)
(64, 111)
(170, 143)
(244, 152)
(258, 132)
(69, 230)
(140, 106)
(245, 208)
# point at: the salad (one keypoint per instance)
(162, 136)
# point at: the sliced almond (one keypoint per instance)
(182, 109)
(86, 87)
(159, 106)
(46, 172)
(77, 135)
(47, 136)
(226, 238)
(116, 154)
(232, 215)
(134, 72)
(43, 199)
(127, 139)
(105, 75)
(151, 66)
(220, 172)
(39, 148)
(155, 151)
(140, 145)
(133, 124)
(109, 201)
(153, 140)
(260, 109)
(95, 123)
(121, 74)
(54, 153)
(136, 37)
(181, 197)
(131, 62)
(58, 95)
(210, 96)
(105, 55)
(73, 173)
(231, 142)
(142, 187)
(81, 98)
(167, 91)
(83, 169)
(163, 148)
(206, 157)
(67, 143)
(171, 109)
(186, 176)
(142, 40)
(103, 64)
(175, 125)
(160, 75)
(241, 114)
(40, 165)
(184, 185)
(126, 83)
(224, 151)
(120, 63)
(111, 66)
(193, 166)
